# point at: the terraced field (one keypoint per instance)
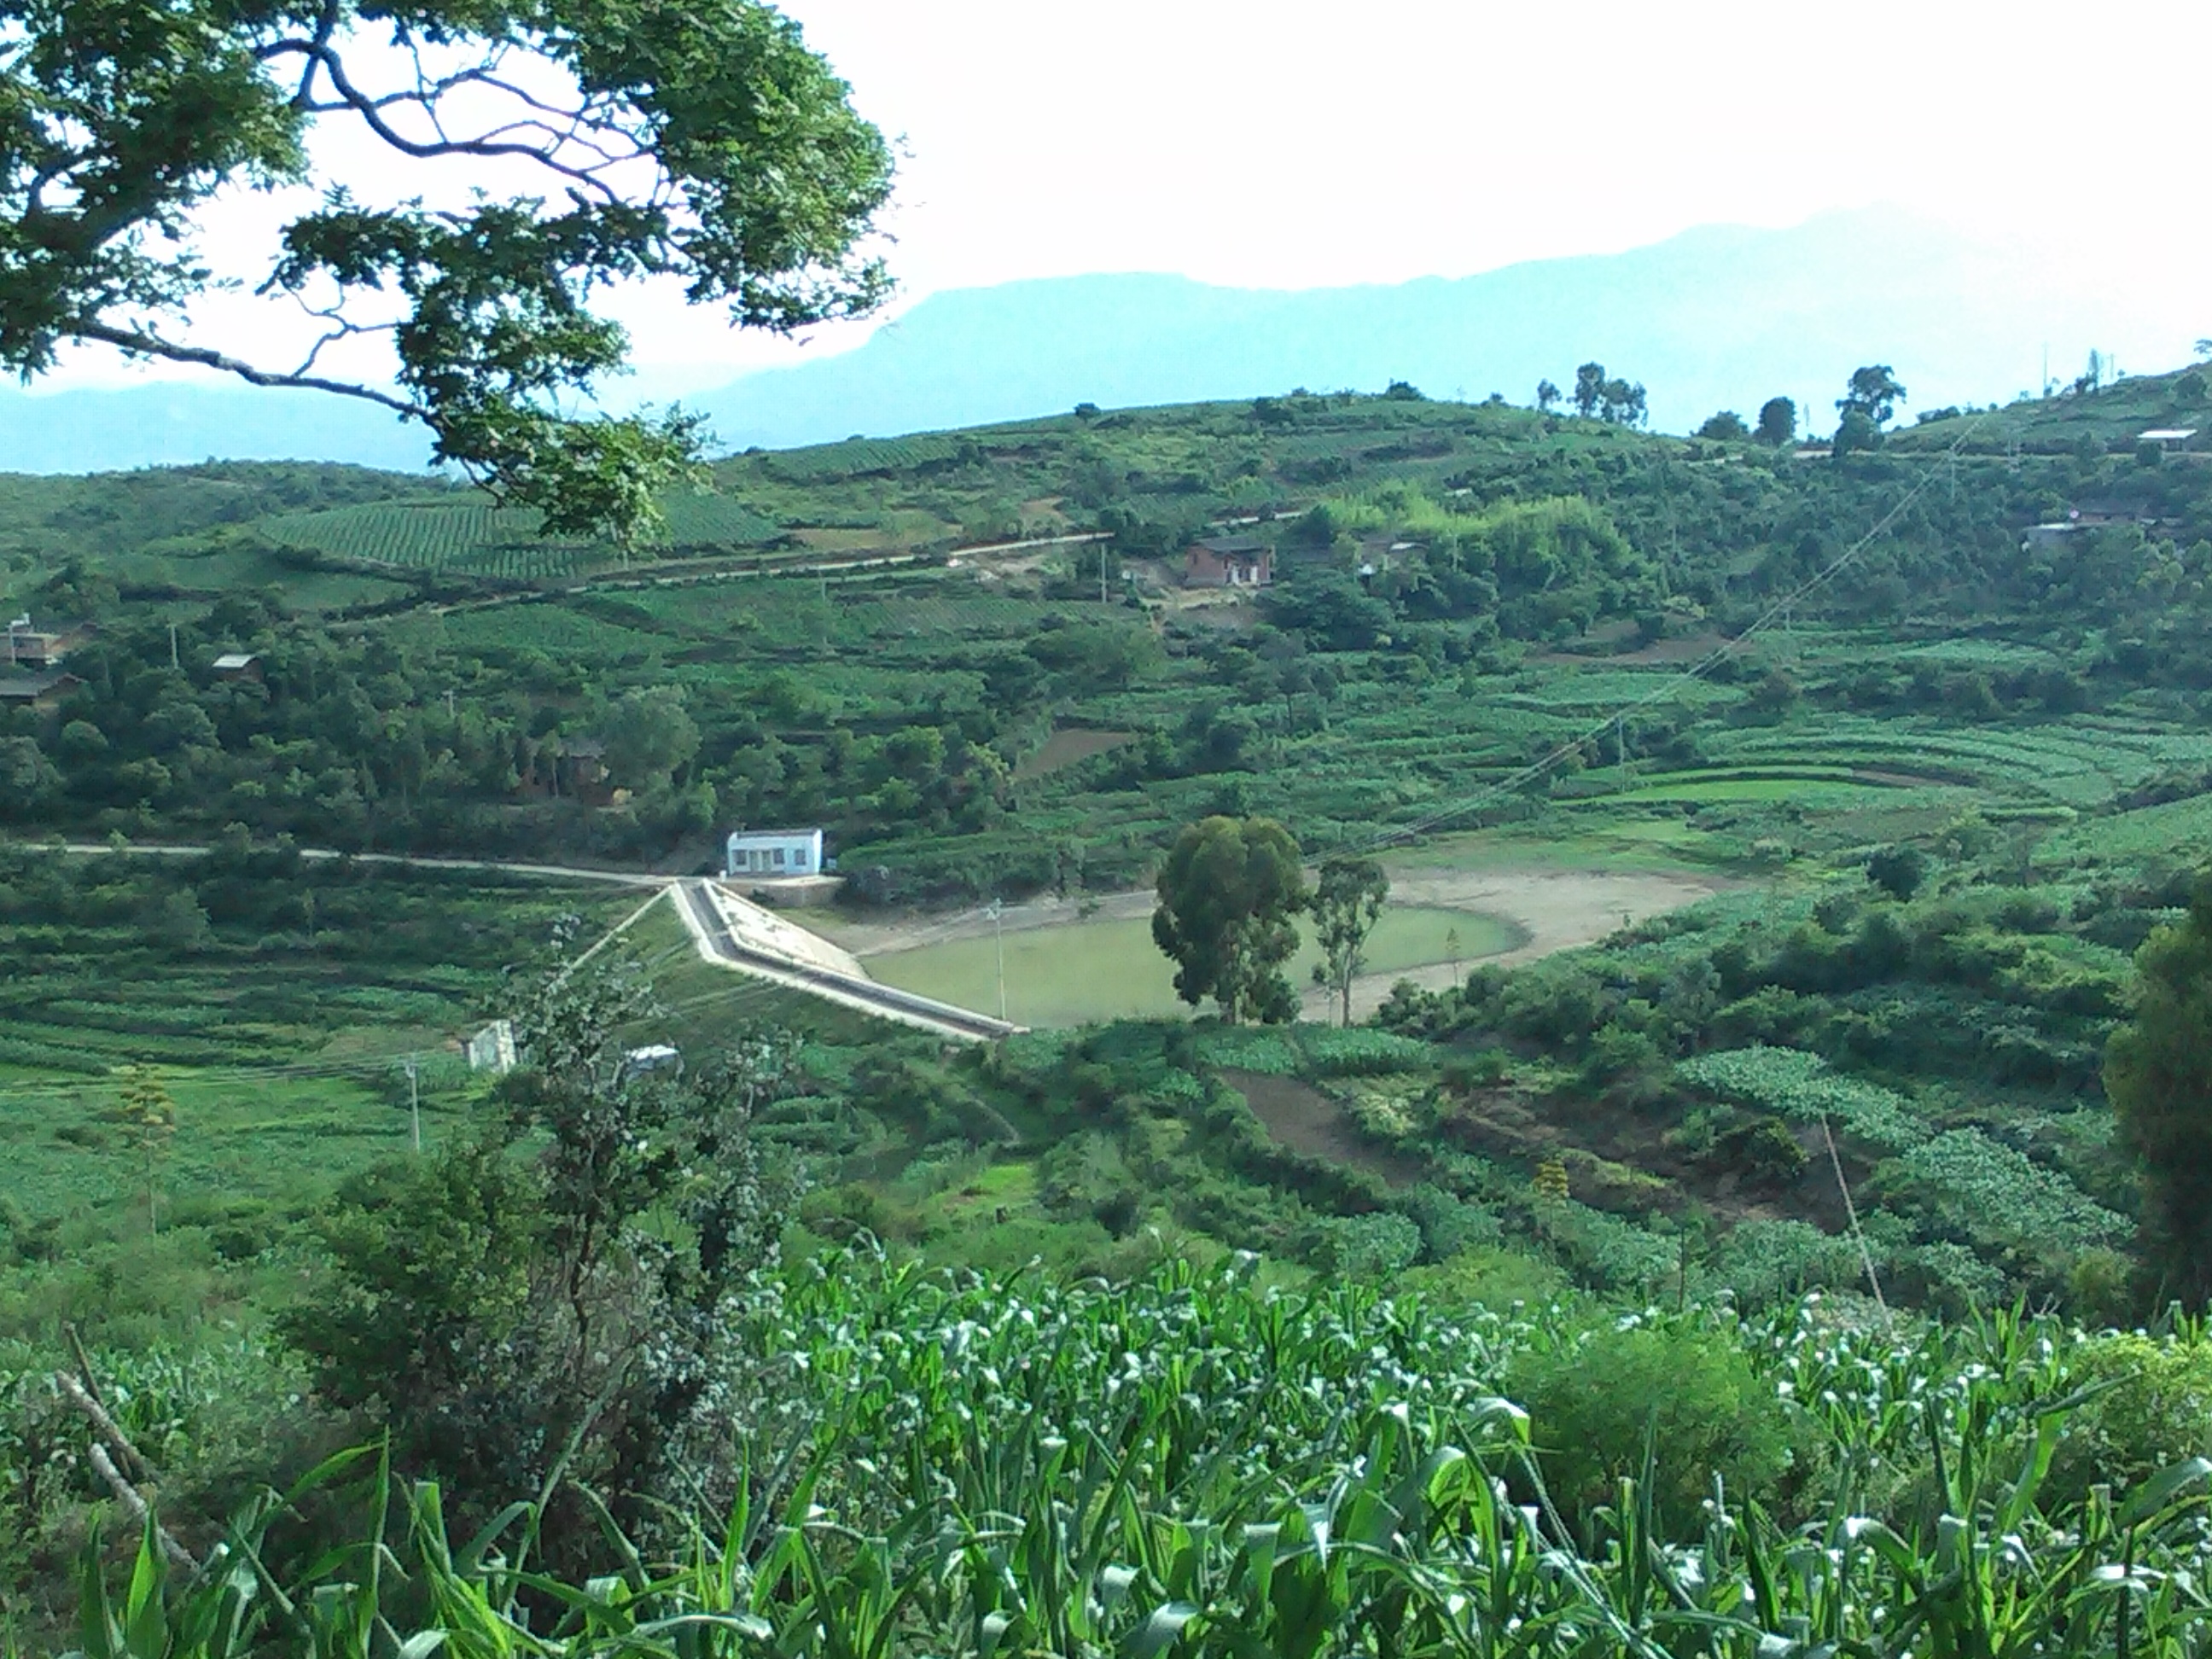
(471, 535)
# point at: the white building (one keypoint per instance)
(492, 1050)
(774, 853)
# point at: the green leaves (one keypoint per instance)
(1228, 891)
(702, 143)
(1193, 1465)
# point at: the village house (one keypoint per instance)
(1382, 553)
(42, 649)
(774, 852)
(1228, 561)
(36, 690)
(237, 665)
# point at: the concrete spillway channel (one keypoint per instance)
(738, 934)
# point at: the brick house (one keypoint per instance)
(1228, 561)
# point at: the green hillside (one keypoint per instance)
(1769, 840)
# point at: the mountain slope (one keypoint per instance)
(1718, 316)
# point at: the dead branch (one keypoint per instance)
(135, 1502)
(88, 1405)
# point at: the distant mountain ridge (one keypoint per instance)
(179, 423)
(1717, 317)
(1720, 316)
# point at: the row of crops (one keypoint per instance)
(470, 534)
(2076, 763)
(1972, 1183)
(1803, 1087)
(1194, 1465)
(856, 457)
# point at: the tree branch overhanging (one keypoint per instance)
(710, 144)
(140, 343)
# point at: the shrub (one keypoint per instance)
(2154, 1409)
(1598, 1401)
(1449, 1224)
(1773, 1153)
(1366, 1247)
(1490, 1276)
(1898, 870)
(1484, 1069)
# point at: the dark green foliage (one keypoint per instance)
(1366, 1248)
(1727, 427)
(1683, 1397)
(1778, 422)
(1230, 891)
(2146, 1405)
(555, 1300)
(1898, 870)
(2158, 1073)
(1874, 394)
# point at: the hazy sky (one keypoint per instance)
(1288, 144)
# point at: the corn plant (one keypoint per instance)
(1194, 1465)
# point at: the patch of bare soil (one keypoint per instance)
(1299, 1116)
(1067, 746)
(1691, 648)
(1549, 910)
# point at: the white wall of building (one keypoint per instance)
(774, 853)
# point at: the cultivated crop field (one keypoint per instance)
(469, 535)
(1342, 1466)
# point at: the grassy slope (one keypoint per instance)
(283, 1052)
(1104, 968)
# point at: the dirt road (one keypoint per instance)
(325, 855)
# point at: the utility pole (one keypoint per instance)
(172, 645)
(449, 705)
(414, 1101)
(1102, 573)
(997, 912)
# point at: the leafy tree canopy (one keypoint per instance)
(536, 154)
(1875, 393)
(2158, 1073)
(1778, 421)
(1229, 892)
(1347, 902)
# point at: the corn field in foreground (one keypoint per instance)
(1194, 1465)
